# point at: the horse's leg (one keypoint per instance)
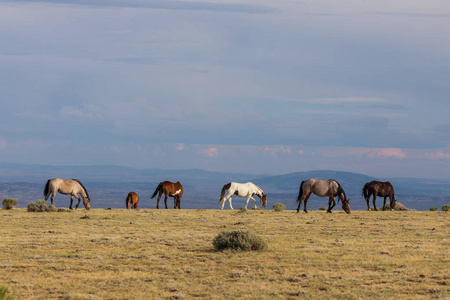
(71, 201)
(79, 199)
(157, 201)
(384, 203)
(256, 206)
(246, 203)
(229, 199)
(53, 197)
(331, 199)
(165, 199)
(374, 198)
(306, 201)
(368, 201)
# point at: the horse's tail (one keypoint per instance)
(222, 193)
(365, 191)
(158, 188)
(300, 192)
(46, 188)
(127, 200)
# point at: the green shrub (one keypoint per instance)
(279, 207)
(9, 203)
(239, 240)
(446, 208)
(3, 296)
(62, 209)
(38, 206)
(323, 208)
(434, 208)
(242, 210)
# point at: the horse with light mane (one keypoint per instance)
(242, 190)
(73, 187)
(323, 188)
(170, 189)
(133, 200)
(378, 188)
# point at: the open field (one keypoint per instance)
(168, 254)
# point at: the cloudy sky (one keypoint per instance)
(242, 86)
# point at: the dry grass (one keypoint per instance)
(168, 254)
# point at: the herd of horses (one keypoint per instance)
(322, 188)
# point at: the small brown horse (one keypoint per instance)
(132, 199)
(169, 189)
(378, 188)
(323, 188)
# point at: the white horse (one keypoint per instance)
(242, 190)
(66, 187)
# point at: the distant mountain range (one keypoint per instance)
(109, 185)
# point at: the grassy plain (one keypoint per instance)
(168, 254)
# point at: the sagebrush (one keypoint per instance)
(9, 203)
(239, 240)
(279, 207)
(41, 206)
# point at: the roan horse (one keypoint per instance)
(169, 189)
(133, 200)
(378, 188)
(66, 187)
(242, 190)
(323, 188)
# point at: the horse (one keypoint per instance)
(378, 188)
(73, 187)
(242, 190)
(132, 199)
(323, 188)
(169, 189)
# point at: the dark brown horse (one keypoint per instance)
(323, 188)
(378, 188)
(169, 189)
(133, 200)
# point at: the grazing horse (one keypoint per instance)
(73, 187)
(169, 189)
(323, 188)
(132, 199)
(378, 188)
(242, 190)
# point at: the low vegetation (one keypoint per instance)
(168, 254)
(279, 207)
(41, 206)
(9, 203)
(4, 295)
(446, 208)
(434, 208)
(239, 240)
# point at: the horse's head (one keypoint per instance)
(87, 202)
(264, 200)
(392, 203)
(346, 205)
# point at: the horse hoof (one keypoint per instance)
(305, 211)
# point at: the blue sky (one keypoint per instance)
(238, 86)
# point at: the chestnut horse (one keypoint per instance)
(169, 189)
(323, 188)
(66, 187)
(132, 199)
(378, 188)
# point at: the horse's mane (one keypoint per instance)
(340, 190)
(85, 190)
